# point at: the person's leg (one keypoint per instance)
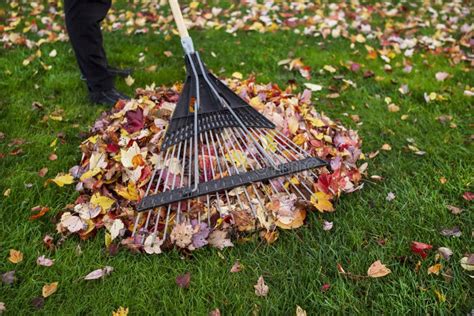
(83, 19)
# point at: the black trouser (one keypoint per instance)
(83, 19)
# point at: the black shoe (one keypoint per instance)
(115, 72)
(108, 97)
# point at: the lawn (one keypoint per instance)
(367, 226)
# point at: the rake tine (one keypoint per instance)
(225, 164)
(237, 172)
(214, 175)
(205, 179)
(165, 188)
(218, 165)
(172, 188)
(287, 160)
(178, 213)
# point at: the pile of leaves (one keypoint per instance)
(435, 26)
(119, 156)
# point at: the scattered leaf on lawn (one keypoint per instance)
(49, 289)
(313, 87)
(420, 248)
(261, 289)
(63, 179)
(43, 261)
(129, 80)
(2, 307)
(454, 209)
(8, 277)
(467, 263)
(37, 302)
(468, 196)
(300, 311)
(435, 269)
(445, 252)
(378, 270)
(390, 196)
(121, 311)
(42, 172)
(237, 267)
(451, 232)
(99, 273)
(15, 256)
(183, 280)
(327, 225)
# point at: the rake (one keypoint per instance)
(218, 156)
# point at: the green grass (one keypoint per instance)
(301, 261)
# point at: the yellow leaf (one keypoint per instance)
(237, 75)
(108, 239)
(435, 269)
(316, 122)
(62, 180)
(293, 125)
(256, 103)
(121, 311)
(89, 174)
(441, 297)
(268, 143)
(49, 289)
(7, 192)
(378, 270)
(130, 193)
(237, 157)
(103, 201)
(320, 200)
(299, 139)
(15, 256)
(129, 80)
(329, 68)
(194, 4)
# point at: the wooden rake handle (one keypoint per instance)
(178, 18)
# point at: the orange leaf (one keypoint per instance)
(435, 269)
(15, 256)
(50, 289)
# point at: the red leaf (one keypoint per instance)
(468, 196)
(135, 121)
(183, 280)
(112, 148)
(420, 248)
(325, 287)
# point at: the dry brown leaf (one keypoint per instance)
(261, 289)
(378, 270)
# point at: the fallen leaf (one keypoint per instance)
(441, 76)
(236, 267)
(99, 273)
(445, 252)
(300, 311)
(325, 287)
(49, 289)
(386, 147)
(321, 201)
(63, 179)
(327, 225)
(440, 296)
(393, 108)
(8, 277)
(7, 192)
(121, 311)
(435, 269)
(215, 312)
(313, 87)
(261, 289)
(390, 196)
(2, 307)
(218, 239)
(454, 209)
(237, 75)
(116, 227)
(42, 172)
(467, 263)
(129, 80)
(183, 280)
(53, 157)
(37, 302)
(451, 232)
(468, 196)
(53, 53)
(43, 261)
(420, 248)
(15, 256)
(378, 270)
